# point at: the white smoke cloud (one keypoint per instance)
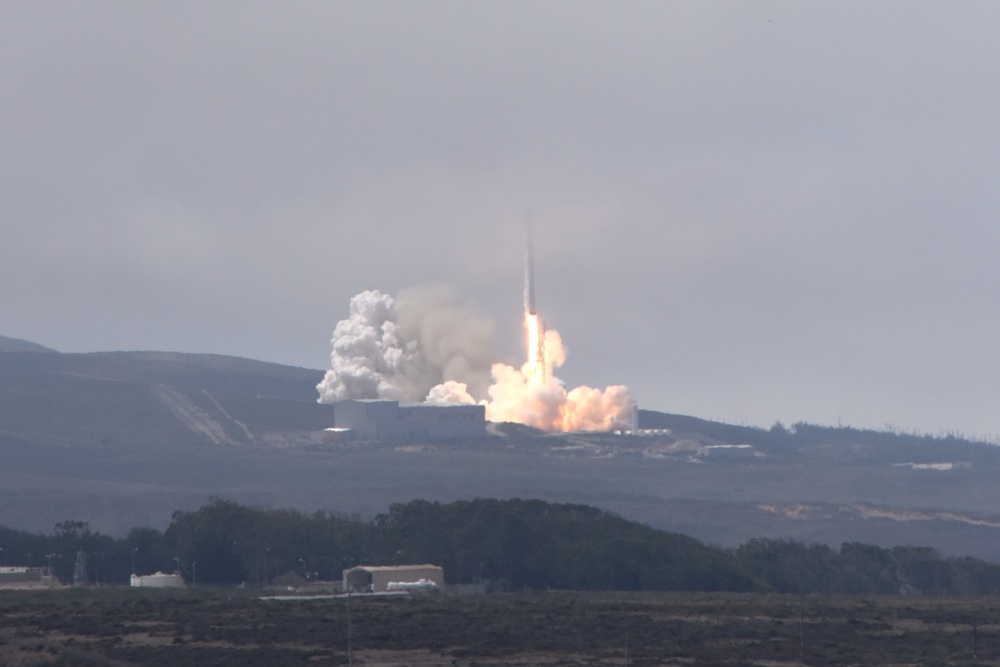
(401, 348)
(450, 393)
(423, 346)
(455, 344)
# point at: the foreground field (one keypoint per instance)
(121, 627)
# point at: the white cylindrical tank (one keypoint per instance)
(158, 580)
(420, 585)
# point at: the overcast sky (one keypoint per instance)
(749, 211)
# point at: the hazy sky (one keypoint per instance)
(749, 211)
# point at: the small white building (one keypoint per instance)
(157, 580)
(383, 578)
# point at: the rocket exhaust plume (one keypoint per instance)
(533, 326)
(529, 274)
(422, 346)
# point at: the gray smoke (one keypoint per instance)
(401, 348)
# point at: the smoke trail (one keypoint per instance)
(423, 346)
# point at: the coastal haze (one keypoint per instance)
(749, 213)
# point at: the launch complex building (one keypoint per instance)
(388, 421)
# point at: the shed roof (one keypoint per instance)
(396, 568)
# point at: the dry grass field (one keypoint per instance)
(119, 627)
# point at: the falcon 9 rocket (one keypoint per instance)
(535, 366)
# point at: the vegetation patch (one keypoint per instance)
(596, 628)
(502, 545)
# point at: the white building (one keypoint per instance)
(388, 421)
(157, 580)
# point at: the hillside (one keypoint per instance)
(829, 444)
(18, 345)
(154, 399)
(125, 438)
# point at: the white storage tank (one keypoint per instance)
(157, 580)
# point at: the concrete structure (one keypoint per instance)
(157, 580)
(940, 466)
(729, 452)
(388, 421)
(382, 578)
(25, 577)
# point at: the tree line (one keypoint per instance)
(812, 442)
(502, 544)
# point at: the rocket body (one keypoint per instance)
(535, 368)
(529, 276)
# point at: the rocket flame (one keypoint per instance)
(534, 396)
(534, 367)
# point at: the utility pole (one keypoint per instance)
(350, 656)
(802, 632)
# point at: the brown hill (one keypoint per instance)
(18, 345)
(154, 399)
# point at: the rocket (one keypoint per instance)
(529, 274)
(535, 328)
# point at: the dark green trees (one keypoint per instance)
(503, 544)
